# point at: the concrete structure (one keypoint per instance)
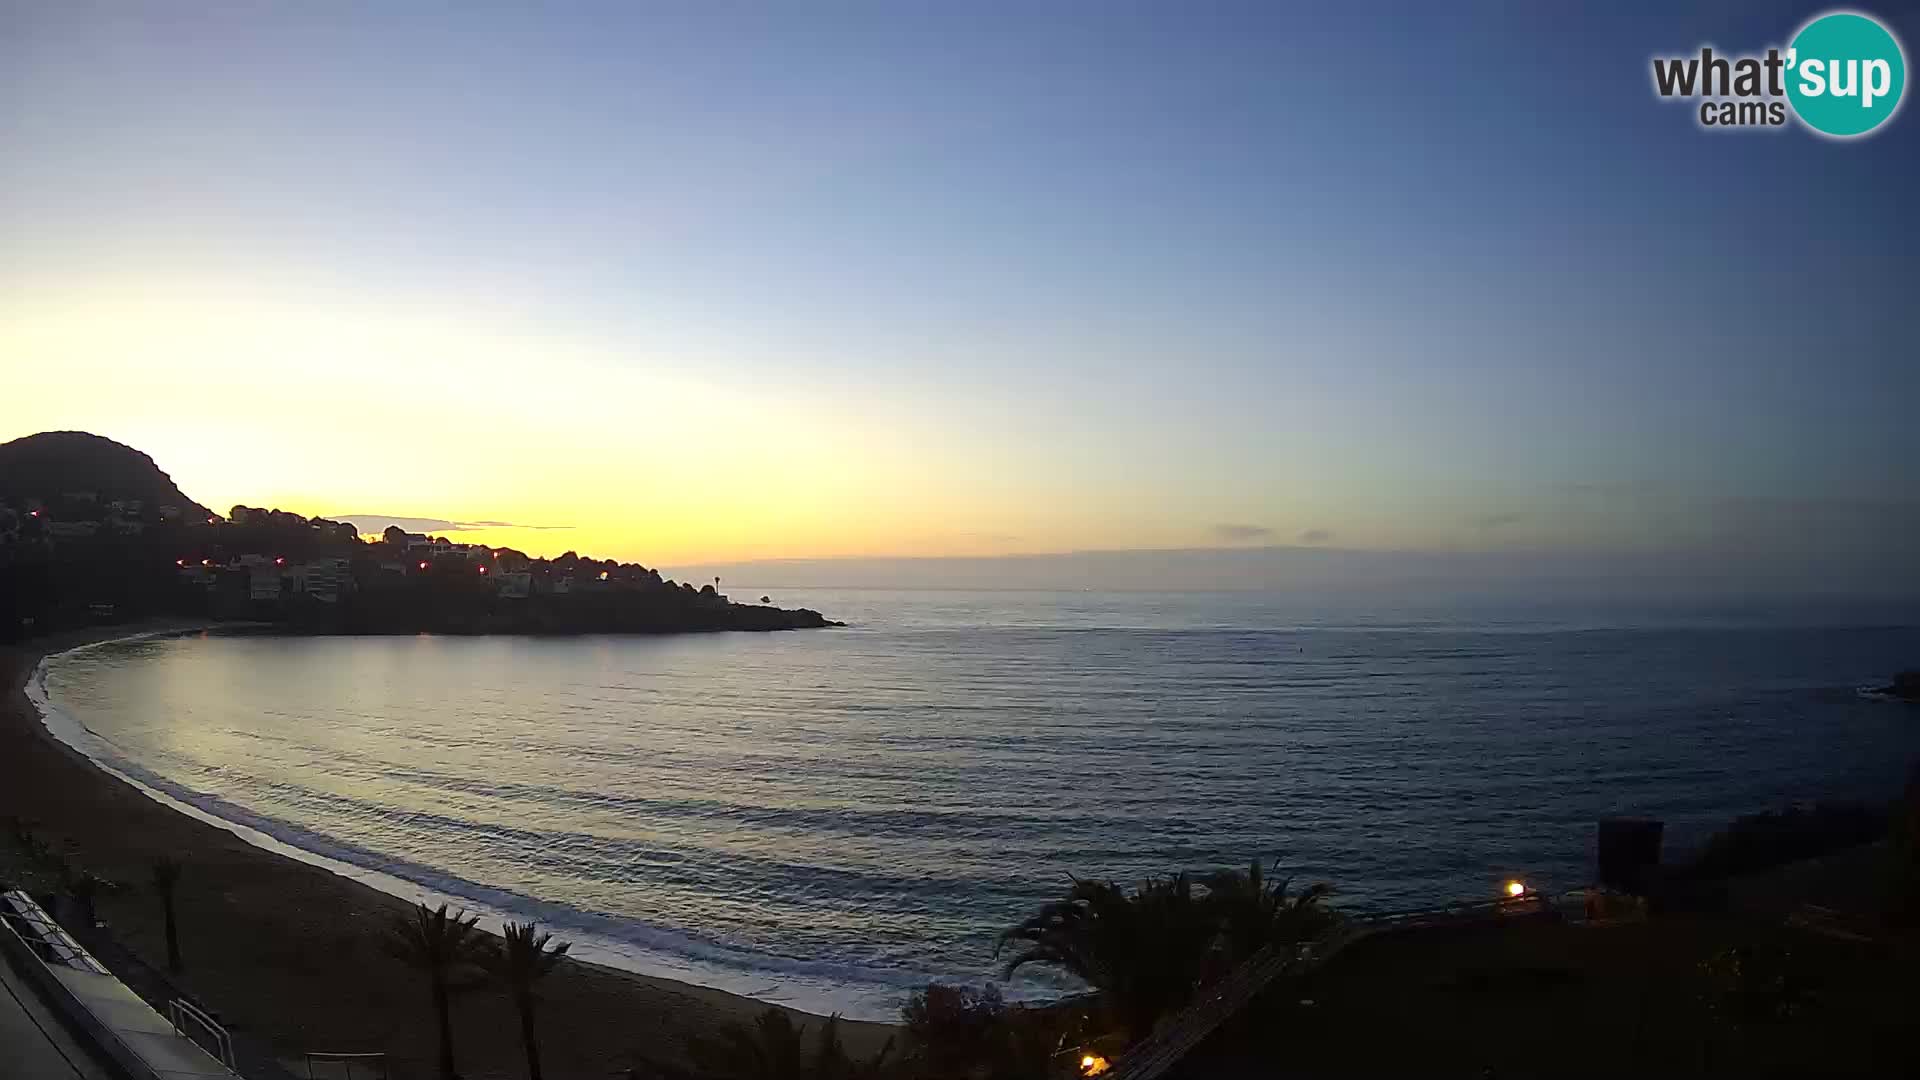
(115, 1025)
(34, 1044)
(420, 545)
(325, 580)
(263, 576)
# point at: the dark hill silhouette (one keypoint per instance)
(69, 556)
(49, 464)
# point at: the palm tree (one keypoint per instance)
(85, 887)
(447, 948)
(1253, 914)
(774, 1048)
(1143, 953)
(166, 875)
(524, 957)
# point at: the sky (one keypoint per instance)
(711, 283)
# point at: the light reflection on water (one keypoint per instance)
(848, 812)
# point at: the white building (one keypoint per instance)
(263, 575)
(325, 580)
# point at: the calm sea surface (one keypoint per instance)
(829, 817)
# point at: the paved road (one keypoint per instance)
(37, 1047)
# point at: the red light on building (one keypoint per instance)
(483, 569)
(423, 566)
(280, 561)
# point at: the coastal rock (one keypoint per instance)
(1905, 686)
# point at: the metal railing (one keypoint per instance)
(38, 929)
(181, 1013)
(369, 1061)
(1528, 903)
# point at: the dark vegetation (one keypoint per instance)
(774, 1047)
(93, 531)
(969, 1031)
(1757, 842)
(450, 951)
(525, 955)
(1146, 953)
(55, 462)
(1736, 993)
(166, 877)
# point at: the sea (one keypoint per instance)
(830, 818)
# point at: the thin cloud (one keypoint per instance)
(375, 523)
(1316, 536)
(1240, 534)
(1605, 488)
(1498, 521)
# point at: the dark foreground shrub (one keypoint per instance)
(955, 1032)
(1759, 842)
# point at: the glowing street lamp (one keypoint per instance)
(1516, 889)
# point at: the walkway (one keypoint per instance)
(66, 979)
(37, 1046)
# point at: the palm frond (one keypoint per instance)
(526, 954)
(434, 941)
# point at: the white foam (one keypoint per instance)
(820, 987)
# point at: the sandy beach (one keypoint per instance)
(290, 952)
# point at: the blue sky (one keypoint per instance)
(1020, 277)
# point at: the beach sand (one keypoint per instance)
(291, 953)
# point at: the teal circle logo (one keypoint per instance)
(1845, 74)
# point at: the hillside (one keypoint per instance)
(72, 551)
(49, 464)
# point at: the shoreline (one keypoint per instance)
(620, 943)
(286, 946)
